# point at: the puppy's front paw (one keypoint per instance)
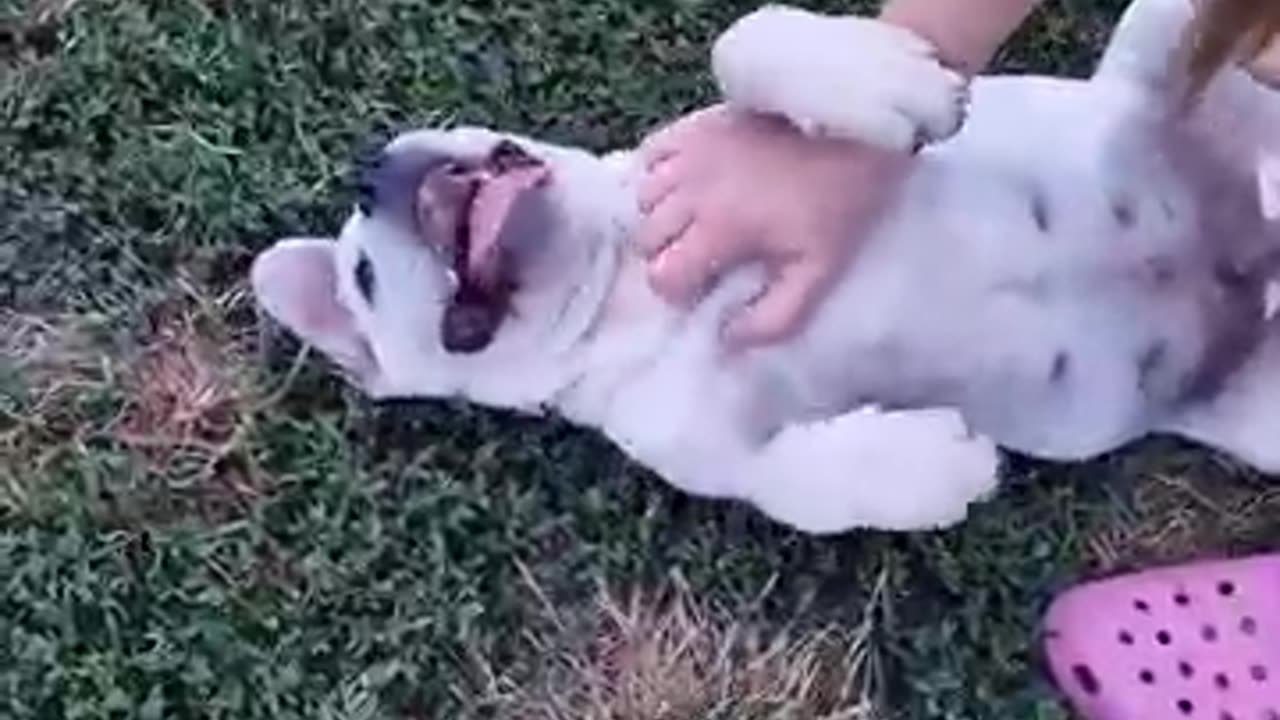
(847, 77)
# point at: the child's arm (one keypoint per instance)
(967, 33)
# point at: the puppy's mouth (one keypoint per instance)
(468, 209)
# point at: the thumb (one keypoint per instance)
(687, 267)
(783, 308)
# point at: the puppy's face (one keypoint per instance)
(461, 266)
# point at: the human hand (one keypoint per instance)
(723, 188)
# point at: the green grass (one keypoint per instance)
(190, 527)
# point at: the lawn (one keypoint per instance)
(196, 521)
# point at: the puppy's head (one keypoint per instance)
(472, 259)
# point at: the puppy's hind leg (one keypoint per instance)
(1243, 419)
(910, 470)
(709, 434)
(1148, 46)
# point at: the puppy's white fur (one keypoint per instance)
(848, 76)
(1074, 269)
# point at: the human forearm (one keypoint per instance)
(967, 33)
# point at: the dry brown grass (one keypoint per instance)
(665, 655)
(1187, 507)
(186, 388)
(51, 370)
(191, 398)
(180, 399)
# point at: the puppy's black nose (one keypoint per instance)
(387, 182)
(368, 170)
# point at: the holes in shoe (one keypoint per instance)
(1226, 715)
(1226, 588)
(1186, 670)
(1164, 638)
(1249, 626)
(1086, 679)
(1222, 682)
(1186, 707)
(1258, 673)
(1209, 633)
(1141, 606)
(1182, 599)
(1271, 714)
(1147, 677)
(1126, 637)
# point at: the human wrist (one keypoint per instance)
(965, 33)
(864, 163)
(840, 77)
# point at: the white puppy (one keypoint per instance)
(1078, 267)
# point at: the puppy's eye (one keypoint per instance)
(456, 169)
(364, 278)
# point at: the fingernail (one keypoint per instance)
(661, 284)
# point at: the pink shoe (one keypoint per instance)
(1193, 641)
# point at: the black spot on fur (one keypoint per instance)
(1040, 210)
(1123, 210)
(1061, 366)
(364, 278)
(1150, 362)
(1230, 277)
(1163, 271)
(1235, 315)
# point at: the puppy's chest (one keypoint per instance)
(631, 303)
(627, 339)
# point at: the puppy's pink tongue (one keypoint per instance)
(492, 204)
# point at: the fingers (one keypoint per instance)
(659, 182)
(682, 272)
(782, 309)
(664, 224)
(667, 141)
(667, 212)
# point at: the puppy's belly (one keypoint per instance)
(1047, 272)
(1062, 378)
(1058, 350)
(1075, 379)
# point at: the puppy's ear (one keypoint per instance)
(295, 282)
